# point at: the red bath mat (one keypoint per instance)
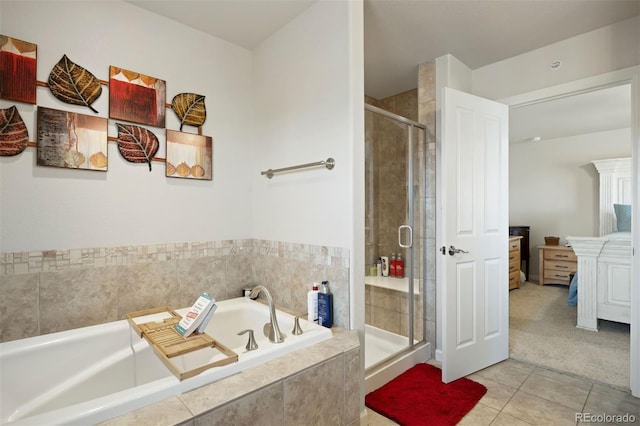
(418, 397)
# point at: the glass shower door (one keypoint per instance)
(393, 234)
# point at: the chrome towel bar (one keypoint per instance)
(329, 163)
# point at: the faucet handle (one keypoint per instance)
(297, 330)
(251, 344)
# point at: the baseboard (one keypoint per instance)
(439, 355)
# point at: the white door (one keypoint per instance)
(474, 222)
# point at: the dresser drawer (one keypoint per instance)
(514, 266)
(559, 254)
(514, 279)
(514, 245)
(557, 263)
(556, 277)
(560, 265)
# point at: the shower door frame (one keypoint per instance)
(410, 126)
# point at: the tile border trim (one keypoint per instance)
(14, 263)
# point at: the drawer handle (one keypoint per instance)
(561, 276)
(561, 266)
(561, 255)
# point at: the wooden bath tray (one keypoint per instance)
(167, 343)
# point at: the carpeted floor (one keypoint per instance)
(543, 332)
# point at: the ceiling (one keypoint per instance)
(401, 34)
(591, 112)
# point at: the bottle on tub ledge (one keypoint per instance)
(325, 306)
(312, 304)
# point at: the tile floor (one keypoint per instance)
(523, 394)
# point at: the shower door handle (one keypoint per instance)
(408, 228)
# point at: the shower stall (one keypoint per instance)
(395, 224)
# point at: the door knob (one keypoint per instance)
(453, 250)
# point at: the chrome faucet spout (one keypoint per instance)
(274, 333)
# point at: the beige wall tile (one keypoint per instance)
(352, 380)
(261, 407)
(310, 397)
(19, 307)
(77, 298)
(168, 412)
(147, 286)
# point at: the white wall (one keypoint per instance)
(288, 102)
(303, 114)
(606, 49)
(52, 208)
(553, 187)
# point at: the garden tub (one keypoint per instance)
(91, 374)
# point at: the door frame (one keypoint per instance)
(630, 76)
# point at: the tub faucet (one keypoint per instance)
(271, 329)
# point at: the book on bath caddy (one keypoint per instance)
(198, 316)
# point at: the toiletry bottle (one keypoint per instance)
(399, 266)
(385, 266)
(325, 306)
(379, 267)
(312, 303)
(374, 270)
(392, 265)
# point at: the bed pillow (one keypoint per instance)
(623, 217)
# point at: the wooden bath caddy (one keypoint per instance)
(167, 343)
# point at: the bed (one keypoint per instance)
(604, 262)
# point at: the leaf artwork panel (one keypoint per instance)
(14, 135)
(136, 97)
(190, 109)
(137, 144)
(71, 140)
(73, 84)
(18, 65)
(189, 156)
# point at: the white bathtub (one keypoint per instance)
(92, 374)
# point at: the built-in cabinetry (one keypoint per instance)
(514, 262)
(557, 263)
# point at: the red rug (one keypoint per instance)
(418, 397)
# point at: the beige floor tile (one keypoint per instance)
(497, 394)
(535, 410)
(479, 415)
(608, 391)
(507, 420)
(375, 419)
(609, 403)
(558, 388)
(509, 372)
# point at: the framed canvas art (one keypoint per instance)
(189, 156)
(71, 140)
(136, 97)
(18, 60)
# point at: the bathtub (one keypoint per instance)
(91, 374)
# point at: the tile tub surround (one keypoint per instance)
(48, 291)
(319, 384)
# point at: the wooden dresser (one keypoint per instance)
(557, 263)
(514, 262)
(525, 256)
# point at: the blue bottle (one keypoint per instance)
(325, 306)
